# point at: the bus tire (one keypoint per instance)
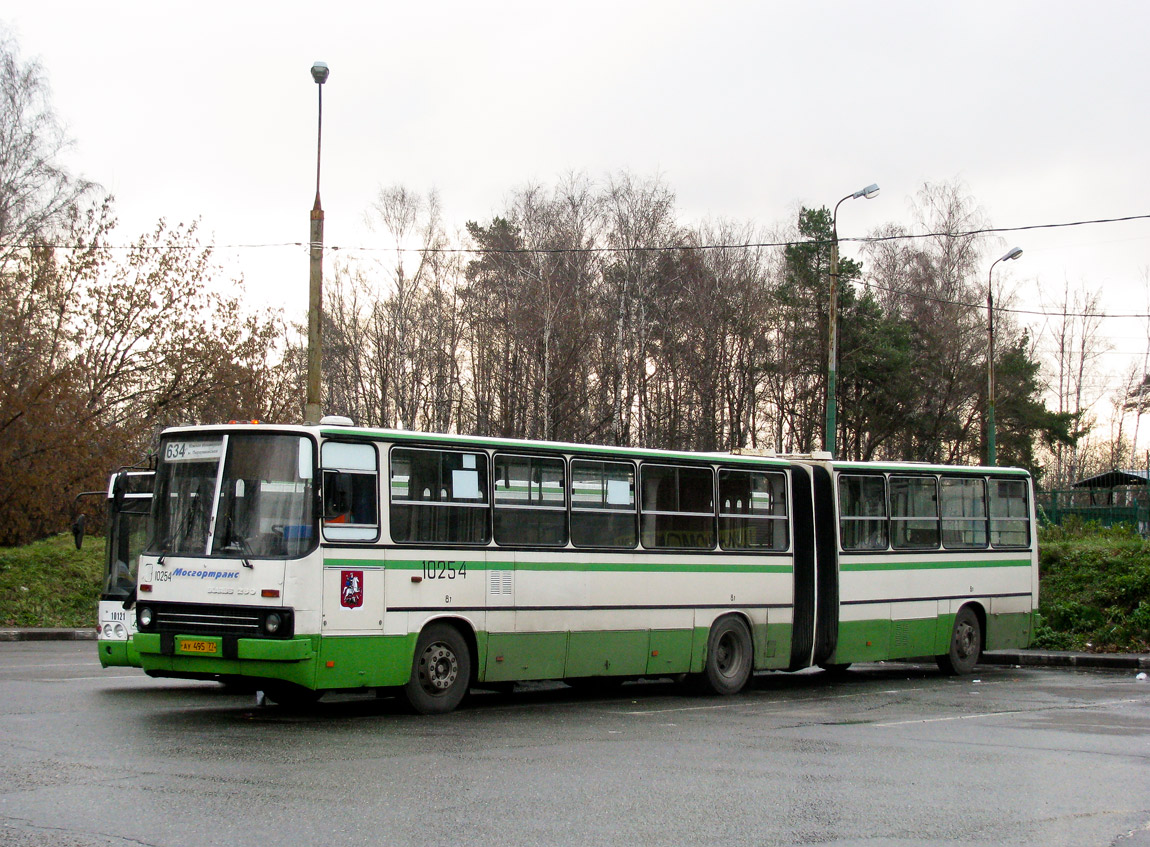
(730, 657)
(965, 644)
(440, 671)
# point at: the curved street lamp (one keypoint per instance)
(311, 414)
(1012, 253)
(832, 315)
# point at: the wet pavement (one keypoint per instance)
(889, 754)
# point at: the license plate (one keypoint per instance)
(189, 646)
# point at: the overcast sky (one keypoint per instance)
(746, 110)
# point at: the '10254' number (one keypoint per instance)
(444, 570)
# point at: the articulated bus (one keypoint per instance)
(305, 559)
(128, 512)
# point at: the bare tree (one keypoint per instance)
(1076, 346)
(38, 196)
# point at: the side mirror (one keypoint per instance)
(119, 490)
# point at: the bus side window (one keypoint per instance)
(439, 496)
(678, 507)
(753, 514)
(1009, 513)
(350, 486)
(603, 504)
(862, 512)
(964, 523)
(530, 501)
(914, 512)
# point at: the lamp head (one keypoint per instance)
(1012, 253)
(868, 192)
(319, 72)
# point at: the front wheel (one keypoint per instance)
(965, 644)
(440, 671)
(730, 657)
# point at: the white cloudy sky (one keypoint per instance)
(746, 109)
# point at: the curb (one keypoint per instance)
(1067, 659)
(52, 634)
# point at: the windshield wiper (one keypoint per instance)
(234, 541)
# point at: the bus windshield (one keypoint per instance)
(235, 495)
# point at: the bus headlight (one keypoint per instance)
(144, 616)
(120, 632)
(107, 630)
(272, 623)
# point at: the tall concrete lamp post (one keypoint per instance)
(311, 413)
(832, 314)
(1012, 253)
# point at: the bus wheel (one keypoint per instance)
(965, 644)
(729, 656)
(440, 671)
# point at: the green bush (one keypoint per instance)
(1095, 588)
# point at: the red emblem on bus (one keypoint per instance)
(351, 595)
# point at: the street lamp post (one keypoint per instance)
(1012, 253)
(311, 414)
(832, 315)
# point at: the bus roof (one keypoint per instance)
(750, 457)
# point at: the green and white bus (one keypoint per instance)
(307, 559)
(128, 512)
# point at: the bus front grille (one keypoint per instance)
(203, 619)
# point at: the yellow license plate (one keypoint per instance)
(189, 646)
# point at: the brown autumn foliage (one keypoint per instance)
(101, 348)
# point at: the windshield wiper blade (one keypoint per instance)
(234, 541)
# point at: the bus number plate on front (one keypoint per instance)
(190, 646)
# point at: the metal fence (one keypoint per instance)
(1106, 507)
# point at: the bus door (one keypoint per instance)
(815, 629)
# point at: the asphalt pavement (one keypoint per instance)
(1022, 658)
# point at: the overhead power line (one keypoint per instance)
(640, 248)
(918, 295)
(668, 248)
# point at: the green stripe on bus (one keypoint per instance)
(600, 567)
(896, 565)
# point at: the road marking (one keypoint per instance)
(141, 676)
(738, 703)
(1009, 712)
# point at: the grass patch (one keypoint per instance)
(1094, 593)
(51, 583)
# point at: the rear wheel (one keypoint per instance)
(440, 671)
(729, 657)
(965, 644)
